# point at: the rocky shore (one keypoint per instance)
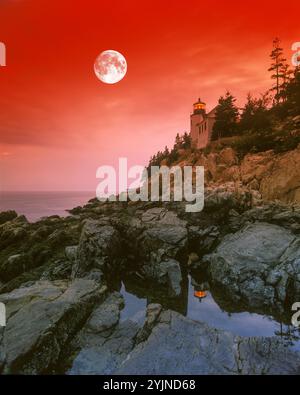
(60, 282)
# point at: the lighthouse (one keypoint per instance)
(201, 124)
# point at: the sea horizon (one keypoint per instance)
(38, 204)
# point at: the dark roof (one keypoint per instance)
(199, 101)
(212, 112)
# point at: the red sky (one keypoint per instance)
(58, 123)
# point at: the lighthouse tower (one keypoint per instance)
(197, 117)
(201, 124)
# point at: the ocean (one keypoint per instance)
(35, 205)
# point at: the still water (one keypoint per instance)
(204, 308)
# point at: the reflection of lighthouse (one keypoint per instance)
(200, 290)
(200, 294)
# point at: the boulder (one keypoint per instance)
(165, 235)
(71, 253)
(13, 231)
(98, 354)
(7, 216)
(107, 315)
(41, 319)
(283, 182)
(202, 240)
(98, 247)
(14, 265)
(256, 166)
(104, 342)
(228, 156)
(166, 273)
(259, 264)
(58, 270)
(59, 237)
(178, 345)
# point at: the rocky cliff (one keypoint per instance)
(267, 175)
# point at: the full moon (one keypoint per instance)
(110, 66)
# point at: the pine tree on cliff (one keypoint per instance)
(255, 115)
(166, 152)
(178, 141)
(280, 70)
(226, 117)
(286, 73)
(292, 93)
(186, 141)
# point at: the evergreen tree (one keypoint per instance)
(226, 117)
(279, 69)
(178, 141)
(292, 93)
(173, 156)
(286, 73)
(255, 115)
(247, 114)
(186, 141)
(166, 152)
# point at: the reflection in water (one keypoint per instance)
(290, 335)
(137, 296)
(135, 307)
(200, 290)
(200, 295)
